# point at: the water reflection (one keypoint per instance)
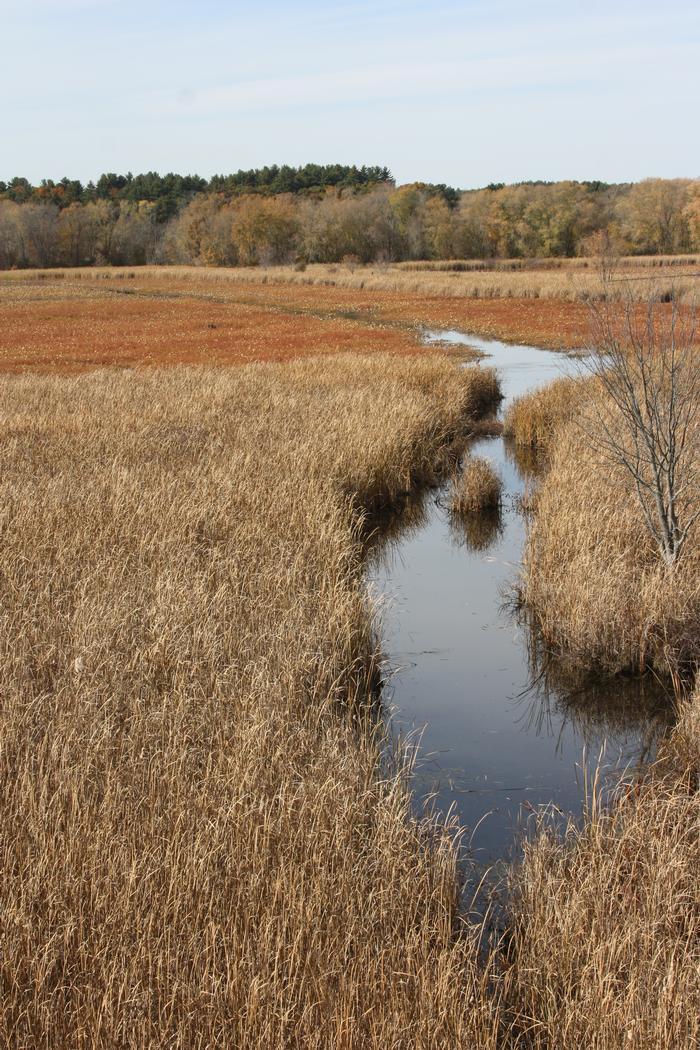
(529, 462)
(476, 532)
(387, 528)
(598, 707)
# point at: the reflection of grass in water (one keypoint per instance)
(530, 462)
(594, 705)
(386, 528)
(476, 532)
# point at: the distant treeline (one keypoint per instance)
(333, 213)
(171, 190)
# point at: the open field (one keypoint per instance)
(73, 325)
(74, 320)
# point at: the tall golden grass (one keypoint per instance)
(588, 262)
(532, 420)
(604, 936)
(572, 280)
(592, 574)
(201, 842)
(476, 489)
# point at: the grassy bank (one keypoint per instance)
(603, 944)
(605, 950)
(533, 420)
(596, 583)
(592, 574)
(200, 846)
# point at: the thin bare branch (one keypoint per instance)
(647, 421)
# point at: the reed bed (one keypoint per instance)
(628, 262)
(572, 280)
(476, 489)
(605, 949)
(201, 844)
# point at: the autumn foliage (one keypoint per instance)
(260, 220)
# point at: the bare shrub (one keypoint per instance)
(592, 572)
(648, 419)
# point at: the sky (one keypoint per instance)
(464, 93)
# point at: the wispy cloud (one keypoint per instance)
(410, 80)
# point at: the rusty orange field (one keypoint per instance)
(76, 322)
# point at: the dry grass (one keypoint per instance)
(635, 264)
(532, 420)
(571, 281)
(593, 577)
(476, 489)
(604, 943)
(200, 843)
(567, 279)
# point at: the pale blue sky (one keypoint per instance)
(464, 93)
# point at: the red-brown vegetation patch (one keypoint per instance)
(552, 323)
(79, 331)
(85, 319)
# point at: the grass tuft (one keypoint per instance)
(477, 489)
(531, 421)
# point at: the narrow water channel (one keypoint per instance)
(503, 730)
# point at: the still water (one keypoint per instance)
(503, 729)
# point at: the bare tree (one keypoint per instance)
(645, 358)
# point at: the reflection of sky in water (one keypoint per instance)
(491, 740)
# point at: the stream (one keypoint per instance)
(503, 729)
